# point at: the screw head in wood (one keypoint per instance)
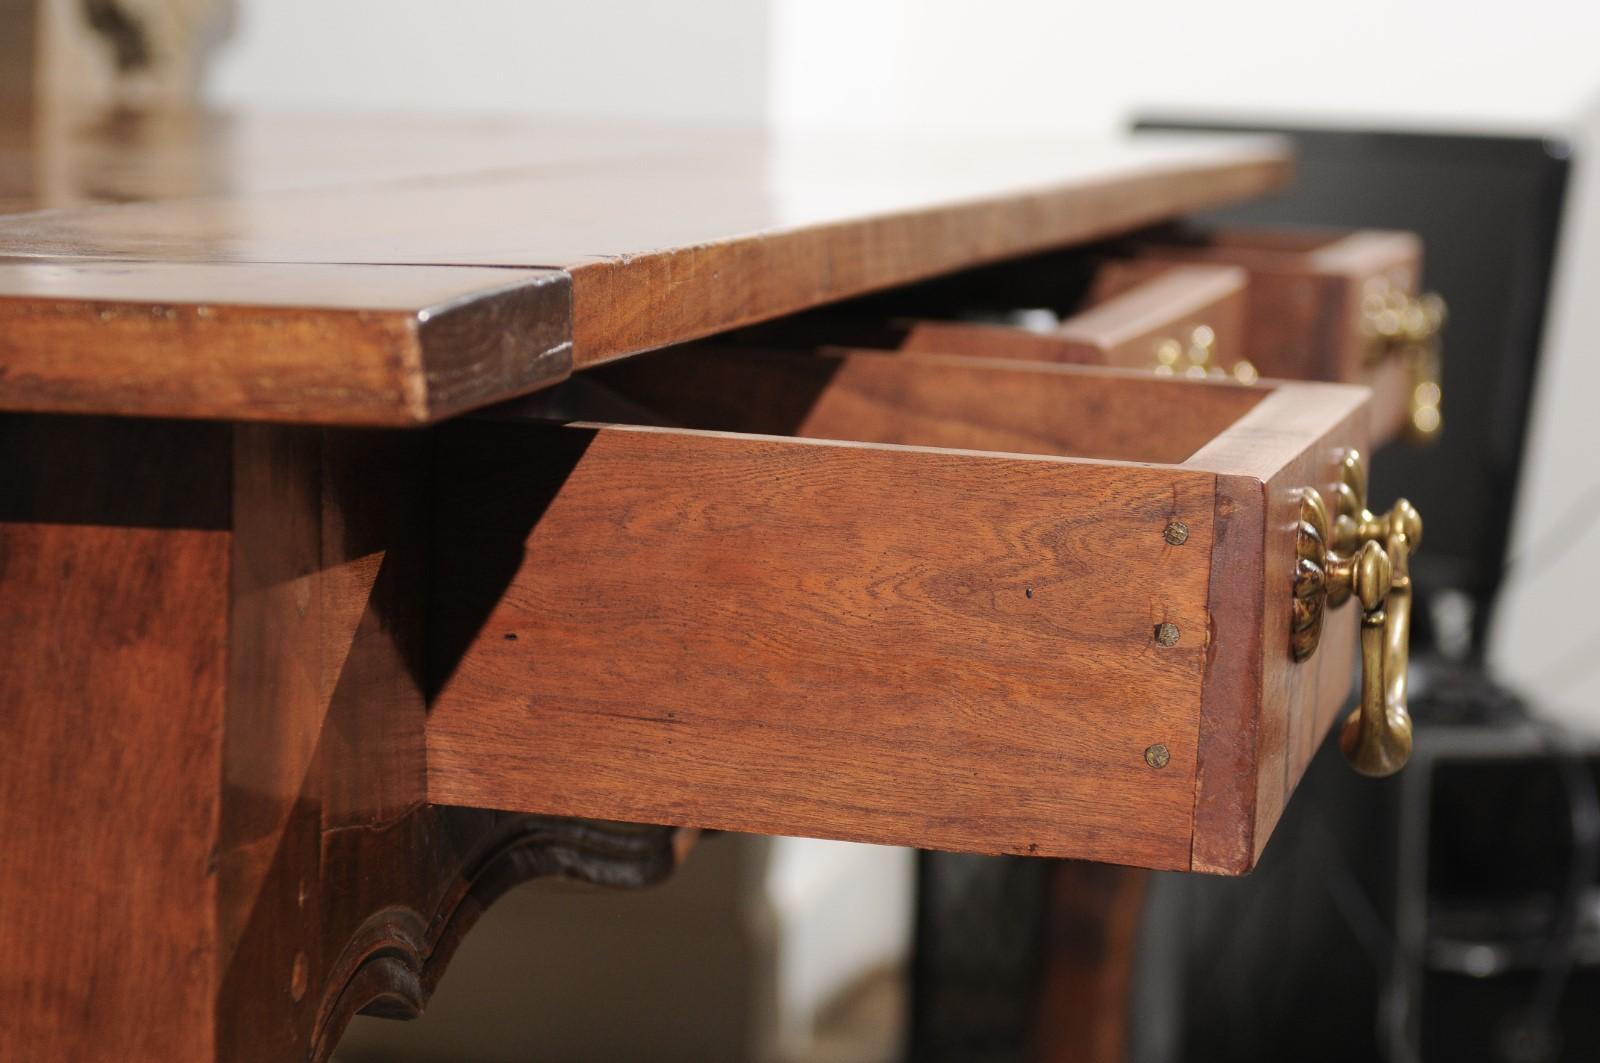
(1176, 533)
(1167, 634)
(1157, 756)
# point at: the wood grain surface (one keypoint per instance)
(1127, 328)
(902, 645)
(1121, 330)
(114, 571)
(1261, 716)
(70, 154)
(1086, 992)
(934, 400)
(340, 887)
(1304, 305)
(1264, 713)
(366, 345)
(1120, 323)
(219, 846)
(666, 235)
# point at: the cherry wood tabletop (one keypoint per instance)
(379, 270)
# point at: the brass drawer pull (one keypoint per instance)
(1197, 360)
(1366, 555)
(1408, 326)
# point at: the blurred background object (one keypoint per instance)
(108, 52)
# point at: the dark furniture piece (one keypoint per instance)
(1489, 210)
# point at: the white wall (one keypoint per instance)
(1547, 636)
(689, 59)
(1003, 63)
(840, 911)
(1085, 65)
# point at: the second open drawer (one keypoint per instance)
(938, 601)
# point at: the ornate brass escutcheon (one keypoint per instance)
(1367, 555)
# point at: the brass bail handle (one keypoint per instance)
(1377, 736)
(1367, 556)
(1408, 326)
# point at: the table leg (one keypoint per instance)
(212, 768)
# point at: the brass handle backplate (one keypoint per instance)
(1359, 554)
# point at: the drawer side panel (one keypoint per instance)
(923, 647)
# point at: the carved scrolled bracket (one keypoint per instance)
(462, 860)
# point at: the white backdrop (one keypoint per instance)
(703, 59)
(1084, 65)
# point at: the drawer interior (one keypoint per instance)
(1089, 310)
(931, 400)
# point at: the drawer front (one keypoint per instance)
(1180, 320)
(924, 600)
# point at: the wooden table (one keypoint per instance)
(294, 686)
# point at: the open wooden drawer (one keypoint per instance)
(940, 601)
(1338, 306)
(1322, 304)
(1181, 319)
